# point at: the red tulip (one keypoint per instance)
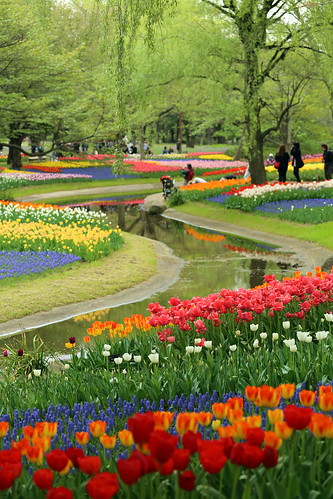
(59, 493)
(90, 464)
(190, 441)
(7, 478)
(270, 458)
(212, 461)
(43, 478)
(73, 453)
(186, 480)
(57, 459)
(162, 445)
(255, 436)
(129, 470)
(181, 459)
(103, 486)
(297, 418)
(141, 426)
(167, 468)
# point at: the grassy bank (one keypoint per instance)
(321, 234)
(134, 263)
(89, 197)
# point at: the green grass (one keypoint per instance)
(88, 197)
(132, 264)
(321, 234)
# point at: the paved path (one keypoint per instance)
(109, 189)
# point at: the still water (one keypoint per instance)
(213, 261)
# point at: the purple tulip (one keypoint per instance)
(20, 352)
(72, 340)
(5, 353)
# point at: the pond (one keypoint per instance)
(213, 260)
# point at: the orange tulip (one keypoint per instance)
(251, 393)
(126, 438)
(283, 430)
(162, 419)
(107, 441)
(21, 445)
(46, 429)
(97, 428)
(276, 415)
(268, 397)
(226, 431)
(235, 415)
(254, 421)
(205, 418)
(4, 425)
(272, 440)
(325, 389)
(82, 437)
(325, 401)
(321, 426)
(220, 410)
(240, 429)
(235, 403)
(43, 442)
(86, 339)
(307, 397)
(287, 390)
(186, 421)
(30, 432)
(35, 454)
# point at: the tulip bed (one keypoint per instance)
(29, 227)
(178, 376)
(203, 445)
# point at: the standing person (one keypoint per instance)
(188, 174)
(282, 157)
(297, 161)
(328, 161)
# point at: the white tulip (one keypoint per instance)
(254, 327)
(208, 344)
(66, 367)
(289, 343)
(232, 348)
(29, 376)
(106, 353)
(65, 378)
(118, 360)
(37, 372)
(329, 316)
(124, 371)
(237, 332)
(153, 357)
(137, 358)
(153, 351)
(275, 336)
(107, 346)
(127, 357)
(308, 339)
(303, 335)
(263, 336)
(256, 344)
(197, 349)
(197, 341)
(293, 348)
(189, 349)
(286, 324)
(322, 335)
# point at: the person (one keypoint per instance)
(297, 161)
(282, 157)
(328, 161)
(270, 159)
(188, 174)
(170, 151)
(165, 150)
(197, 180)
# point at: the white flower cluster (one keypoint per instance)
(198, 346)
(260, 190)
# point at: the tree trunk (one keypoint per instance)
(239, 153)
(180, 130)
(142, 139)
(14, 155)
(285, 131)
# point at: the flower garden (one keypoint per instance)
(228, 395)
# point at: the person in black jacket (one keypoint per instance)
(282, 157)
(297, 161)
(328, 161)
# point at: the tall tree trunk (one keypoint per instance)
(142, 140)
(14, 155)
(180, 130)
(285, 130)
(252, 113)
(239, 152)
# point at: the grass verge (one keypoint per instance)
(321, 234)
(89, 197)
(134, 263)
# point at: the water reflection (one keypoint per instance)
(213, 261)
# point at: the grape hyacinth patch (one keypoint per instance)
(221, 198)
(16, 264)
(292, 204)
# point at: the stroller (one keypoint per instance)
(168, 185)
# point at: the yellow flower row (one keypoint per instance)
(216, 156)
(307, 167)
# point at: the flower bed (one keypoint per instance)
(25, 227)
(205, 448)
(16, 264)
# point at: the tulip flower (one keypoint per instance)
(307, 397)
(59, 493)
(126, 438)
(274, 416)
(90, 464)
(43, 478)
(82, 437)
(325, 401)
(287, 390)
(129, 470)
(57, 459)
(97, 428)
(104, 484)
(137, 358)
(154, 358)
(233, 348)
(282, 430)
(297, 418)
